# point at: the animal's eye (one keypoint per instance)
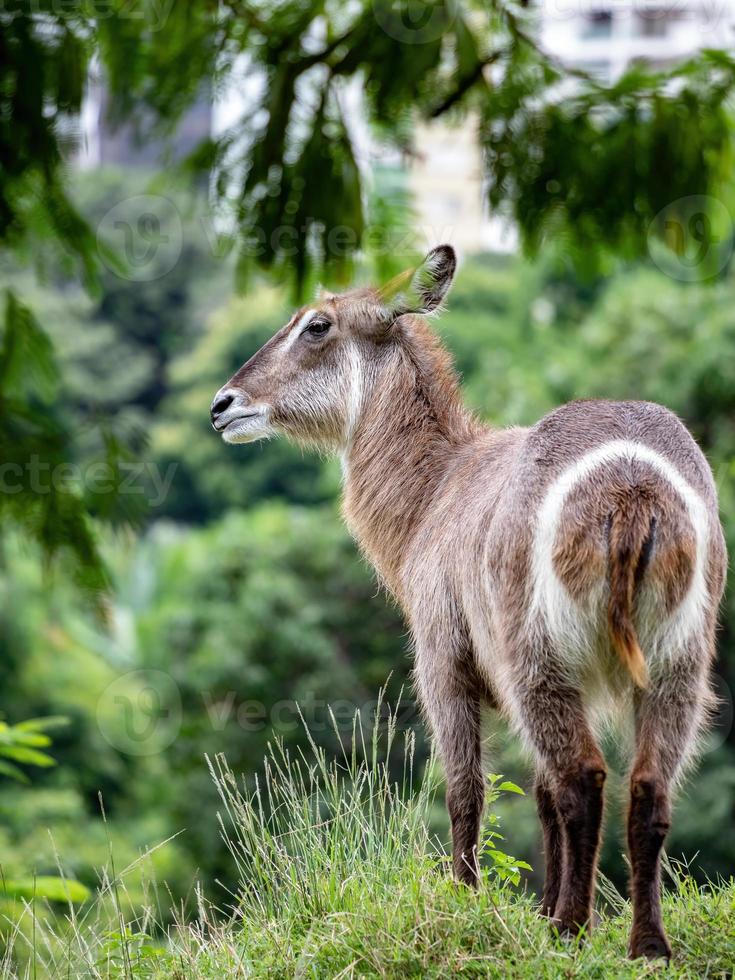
(318, 327)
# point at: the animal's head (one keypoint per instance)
(310, 380)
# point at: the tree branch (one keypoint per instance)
(465, 84)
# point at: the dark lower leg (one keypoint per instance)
(553, 846)
(554, 719)
(455, 719)
(668, 716)
(579, 801)
(648, 824)
(465, 798)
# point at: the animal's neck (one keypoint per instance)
(411, 426)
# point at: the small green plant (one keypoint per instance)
(129, 953)
(507, 868)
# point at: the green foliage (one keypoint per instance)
(22, 743)
(597, 170)
(586, 165)
(241, 619)
(35, 448)
(45, 54)
(272, 605)
(571, 159)
(505, 866)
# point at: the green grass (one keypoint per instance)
(340, 877)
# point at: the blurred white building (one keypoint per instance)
(447, 185)
(605, 37)
(601, 37)
(100, 142)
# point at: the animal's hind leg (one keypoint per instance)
(668, 716)
(552, 718)
(451, 693)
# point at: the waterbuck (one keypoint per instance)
(558, 573)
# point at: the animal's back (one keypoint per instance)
(625, 551)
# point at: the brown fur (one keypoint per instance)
(449, 513)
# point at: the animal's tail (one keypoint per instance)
(632, 526)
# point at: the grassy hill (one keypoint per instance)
(340, 876)
(422, 926)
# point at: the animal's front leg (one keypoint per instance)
(451, 695)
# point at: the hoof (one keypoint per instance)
(465, 877)
(650, 947)
(567, 932)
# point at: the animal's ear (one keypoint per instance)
(423, 289)
(434, 276)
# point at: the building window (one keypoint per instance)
(652, 23)
(597, 24)
(600, 70)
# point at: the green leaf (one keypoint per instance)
(37, 740)
(508, 787)
(30, 756)
(42, 724)
(50, 887)
(8, 769)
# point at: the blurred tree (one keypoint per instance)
(276, 603)
(39, 492)
(231, 625)
(570, 159)
(590, 165)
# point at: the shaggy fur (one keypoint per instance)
(557, 572)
